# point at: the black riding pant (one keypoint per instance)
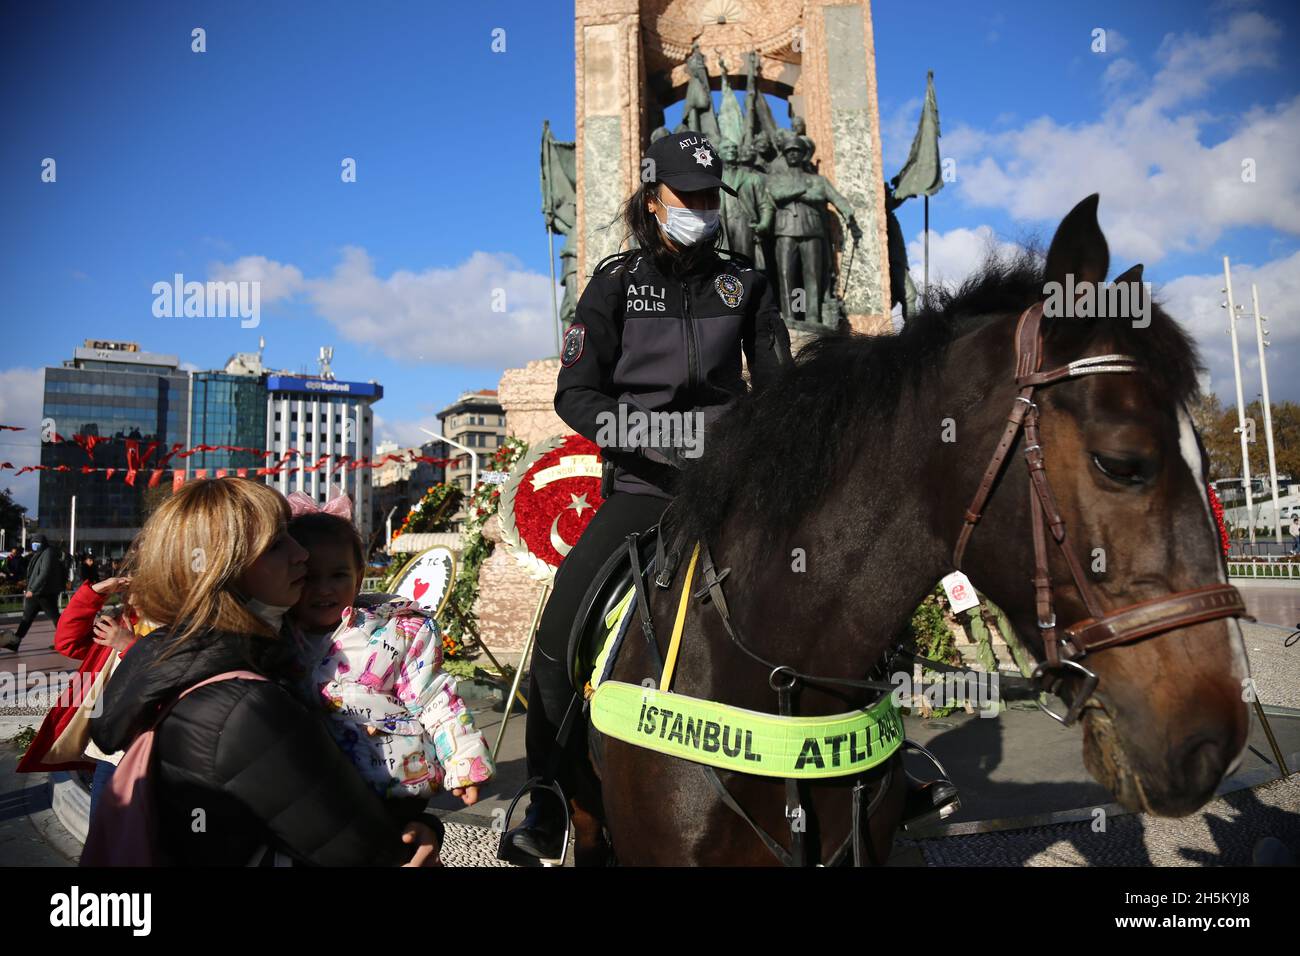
(549, 689)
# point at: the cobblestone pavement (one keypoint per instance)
(470, 846)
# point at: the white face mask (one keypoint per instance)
(270, 614)
(686, 227)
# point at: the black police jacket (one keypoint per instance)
(655, 343)
(241, 765)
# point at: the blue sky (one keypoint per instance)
(227, 163)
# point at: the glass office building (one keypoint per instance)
(227, 410)
(110, 390)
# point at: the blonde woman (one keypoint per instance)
(241, 766)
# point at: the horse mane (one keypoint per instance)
(778, 451)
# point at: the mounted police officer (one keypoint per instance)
(653, 357)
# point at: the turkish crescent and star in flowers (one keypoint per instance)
(551, 495)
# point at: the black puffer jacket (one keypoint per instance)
(656, 343)
(259, 763)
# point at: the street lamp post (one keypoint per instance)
(1260, 334)
(1241, 405)
(388, 523)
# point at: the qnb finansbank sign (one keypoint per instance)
(320, 386)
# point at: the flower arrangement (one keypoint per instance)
(432, 512)
(1216, 506)
(475, 549)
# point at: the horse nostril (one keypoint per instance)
(1202, 761)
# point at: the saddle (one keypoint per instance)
(609, 588)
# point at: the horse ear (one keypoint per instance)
(1132, 275)
(1078, 249)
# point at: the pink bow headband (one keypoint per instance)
(303, 504)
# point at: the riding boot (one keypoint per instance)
(541, 835)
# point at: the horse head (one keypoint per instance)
(1164, 715)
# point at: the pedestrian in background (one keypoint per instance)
(15, 565)
(88, 569)
(46, 576)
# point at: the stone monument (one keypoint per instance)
(634, 58)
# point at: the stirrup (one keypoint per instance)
(945, 809)
(524, 859)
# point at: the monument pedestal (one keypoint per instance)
(507, 596)
(507, 593)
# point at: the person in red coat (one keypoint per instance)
(97, 641)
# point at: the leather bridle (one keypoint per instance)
(1102, 628)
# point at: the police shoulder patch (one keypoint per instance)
(573, 342)
(730, 289)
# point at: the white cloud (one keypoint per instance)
(488, 310)
(1189, 62)
(406, 432)
(1116, 42)
(955, 254)
(279, 281)
(1194, 301)
(897, 130)
(22, 400)
(1164, 188)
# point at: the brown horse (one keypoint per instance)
(835, 497)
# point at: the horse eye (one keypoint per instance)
(1129, 471)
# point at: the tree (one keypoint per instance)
(1218, 428)
(11, 518)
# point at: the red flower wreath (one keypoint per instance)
(535, 510)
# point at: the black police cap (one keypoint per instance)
(686, 162)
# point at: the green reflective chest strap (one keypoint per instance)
(747, 741)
